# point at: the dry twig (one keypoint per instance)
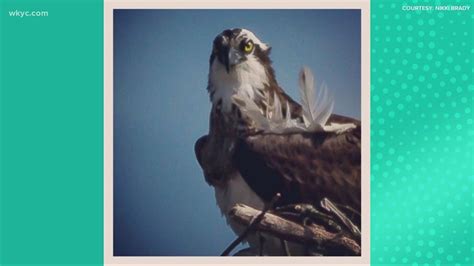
(308, 235)
(258, 216)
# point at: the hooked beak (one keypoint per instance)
(234, 57)
(230, 57)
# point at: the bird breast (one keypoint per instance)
(236, 190)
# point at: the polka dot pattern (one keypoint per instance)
(422, 165)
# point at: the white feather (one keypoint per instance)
(274, 121)
(278, 116)
(339, 128)
(317, 108)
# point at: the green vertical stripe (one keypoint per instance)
(422, 168)
(51, 133)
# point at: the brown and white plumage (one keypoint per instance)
(261, 142)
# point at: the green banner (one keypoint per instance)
(421, 133)
(51, 132)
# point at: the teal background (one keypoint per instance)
(51, 135)
(421, 135)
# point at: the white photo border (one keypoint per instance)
(110, 5)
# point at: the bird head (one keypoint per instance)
(239, 63)
(234, 47)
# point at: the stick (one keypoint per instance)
(329, 206)
(335, 244)
(252, 223)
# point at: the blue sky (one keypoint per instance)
(162, 205)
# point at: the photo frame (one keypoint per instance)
(110, 6)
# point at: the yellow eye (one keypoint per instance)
(248, 47)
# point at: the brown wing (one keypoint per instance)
(303, 167)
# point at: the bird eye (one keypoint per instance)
(248, 47)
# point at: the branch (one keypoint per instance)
(251, 224)
(336, 244)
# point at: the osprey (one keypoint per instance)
(262, 142)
